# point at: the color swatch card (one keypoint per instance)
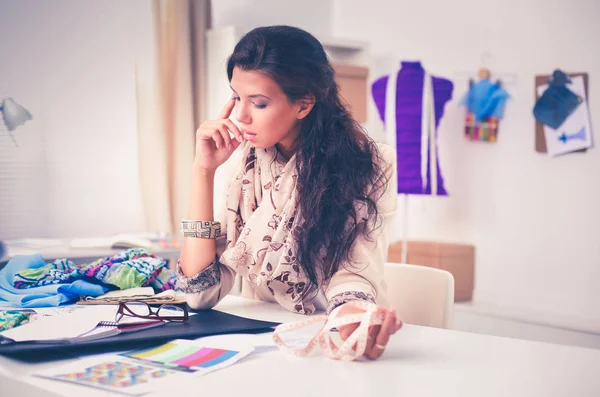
(116, 375)
(188, 356)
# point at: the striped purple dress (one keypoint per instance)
(409, 109)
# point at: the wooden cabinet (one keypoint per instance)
(352, 81)
(458, 259)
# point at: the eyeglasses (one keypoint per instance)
(143, 310)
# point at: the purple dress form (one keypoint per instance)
(409, 111)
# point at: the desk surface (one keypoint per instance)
(420, 361)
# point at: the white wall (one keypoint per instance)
(535, 220)
(71, 64)
(311, 15)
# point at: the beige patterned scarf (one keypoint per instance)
(261, 213)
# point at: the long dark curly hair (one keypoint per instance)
(339, 166)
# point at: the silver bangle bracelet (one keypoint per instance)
(200, 229)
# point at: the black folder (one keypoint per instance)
(203, 323)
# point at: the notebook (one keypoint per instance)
(105, 329)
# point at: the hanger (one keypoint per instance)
(485, 73)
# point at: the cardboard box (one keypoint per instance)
(458, 259)
(352, 81)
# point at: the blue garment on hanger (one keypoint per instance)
(486, 99)
(45, 296)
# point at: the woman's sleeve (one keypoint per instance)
(205, 289)
(363, 279)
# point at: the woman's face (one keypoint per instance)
(264, 113)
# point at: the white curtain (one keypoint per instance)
(169, 87)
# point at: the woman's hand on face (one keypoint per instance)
(214, 143)
(379, 335)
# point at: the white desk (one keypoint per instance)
(419, 361)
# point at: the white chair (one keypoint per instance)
(422, 295)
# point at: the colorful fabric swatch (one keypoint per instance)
(485, 130)
(12, 318)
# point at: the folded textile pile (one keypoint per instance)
(135, 267)
(28, 281)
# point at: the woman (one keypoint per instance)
(307, 209)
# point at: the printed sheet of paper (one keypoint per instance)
(575, 133)
(148, 370)
(63, 325)
(188, 356)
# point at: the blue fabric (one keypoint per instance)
(45, 296)
(485, 99)
(557, 102)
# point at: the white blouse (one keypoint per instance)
(363, 280)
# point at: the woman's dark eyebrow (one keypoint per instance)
(253, 95)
